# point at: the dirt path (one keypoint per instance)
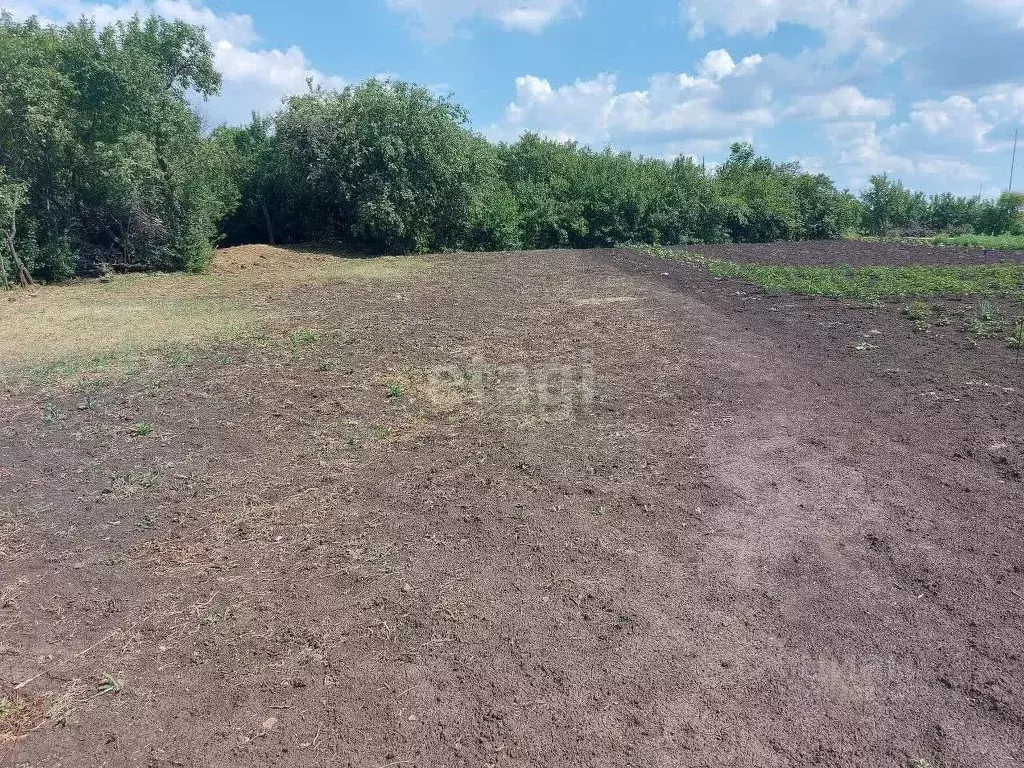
(712, 535)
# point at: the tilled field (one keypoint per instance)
(530, 509)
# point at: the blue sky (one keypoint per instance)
(929, 91)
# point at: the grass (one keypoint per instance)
(880, 282)
(88, 330)
(302, 337)
(869, 283)
(989, 242)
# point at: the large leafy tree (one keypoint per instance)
(385, 164)
(97, 126)
(889, 206)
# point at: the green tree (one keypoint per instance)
(387, 165)
(98, 126)
(758, 196)
(1004, 215)
(889, 206)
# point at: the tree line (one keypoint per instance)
(105, 164)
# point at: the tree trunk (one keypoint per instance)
(270, 224)
(24, 276)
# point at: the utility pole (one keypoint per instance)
(1013, 162)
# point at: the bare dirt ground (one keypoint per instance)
(715, 534)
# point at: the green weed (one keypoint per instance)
(142, 429)
(987, 324)
(302, 337)
(109, 685)
(991, 242)
(52, 414)
(919, 311)
(1016, 341)
(866, 284)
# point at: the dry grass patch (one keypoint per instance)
(91, 329)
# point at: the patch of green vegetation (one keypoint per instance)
(395, 390)
(1016, 340)
(990, 242)
(987, 324)
(867, 283)
(142, 429)
(52, 414)
(302, 337)
(115, 364)
(919, 311)
(181, 358)
(880, 282)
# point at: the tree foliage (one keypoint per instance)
(97, 127)
(889, 207)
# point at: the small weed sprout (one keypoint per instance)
(302, 337)
(142, 429)
(52, 414)
(395, 390)
(919, 311)
(987, 324)
(109, 685)
(1016, 341)
(987, 310)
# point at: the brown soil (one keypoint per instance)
(752, 546)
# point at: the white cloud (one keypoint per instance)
(717, 64)
(258, 80)
(861, 151)
(956, 118)
(439, 19)
(720, 103)
(580, 111)
(235, 27)
(859, 145)
(843, 22)
(843, 103)
(254, 78)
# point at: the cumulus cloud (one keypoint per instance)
(843, 103)
(956, 118)
(254, 78)
(860, 150)
(717, 104)
(440, 19)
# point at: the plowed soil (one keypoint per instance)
(714, 534)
